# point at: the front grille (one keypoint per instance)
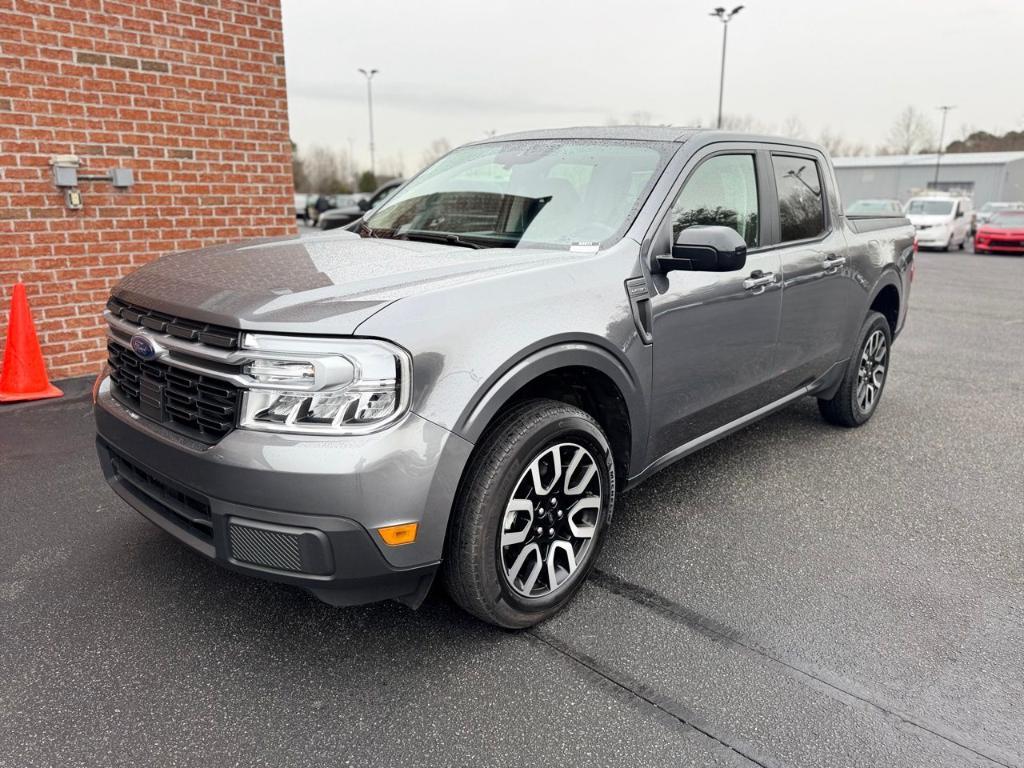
(215, 335)
(201, 407)
(266, 548)
(187, 510)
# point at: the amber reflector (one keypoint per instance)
(396, 535)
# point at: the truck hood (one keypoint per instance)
(318, 285)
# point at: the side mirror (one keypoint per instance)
(710, 248)
(364, 204)
(959, 214)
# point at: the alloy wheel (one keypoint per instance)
(549, 523)
(871, 373)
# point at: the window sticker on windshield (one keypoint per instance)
(584, 248)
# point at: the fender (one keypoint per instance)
(890, 276)
(501, 387)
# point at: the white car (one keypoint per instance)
(941, 222)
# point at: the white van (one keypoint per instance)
(941, 222)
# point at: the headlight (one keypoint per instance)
(324, 386)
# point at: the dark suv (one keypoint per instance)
(530, 326)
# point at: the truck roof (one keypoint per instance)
(670, 133)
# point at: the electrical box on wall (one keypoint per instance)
(67, 178)
(121, 177)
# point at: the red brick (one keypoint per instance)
(186, 94)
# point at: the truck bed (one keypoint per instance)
(864, 223)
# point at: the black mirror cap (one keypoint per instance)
(706, 248)
(364, 204)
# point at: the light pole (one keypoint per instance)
(942, 136)
(369, 102)
(725, 18)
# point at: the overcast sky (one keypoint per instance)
(456, 69)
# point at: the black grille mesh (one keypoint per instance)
(186, 509)
(270, 549)
(199, 406)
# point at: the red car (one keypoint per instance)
(1003, 233)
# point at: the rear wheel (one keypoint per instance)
(531, 514)
(861, 388)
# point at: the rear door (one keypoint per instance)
(714, 332)
(819, 292)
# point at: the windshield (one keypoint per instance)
(525, 194)
(873, 206)
(930, 207)
(1014, 219)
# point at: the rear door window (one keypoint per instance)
(801, 202)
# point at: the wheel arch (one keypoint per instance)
(887, 299)
(581, 373)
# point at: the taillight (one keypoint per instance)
(915, 244)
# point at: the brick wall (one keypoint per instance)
(189, 95)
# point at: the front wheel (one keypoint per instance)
(861, 388)
(531, 514)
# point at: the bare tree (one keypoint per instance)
(743, 124)
(299, 180)
(437, 148)
(912, 132)
(838, 146)
(391, 167)
(322, 173)
(793, 127)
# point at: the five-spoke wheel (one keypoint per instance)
(531, 514)
(871, 373)
(550, 520)
(857, 395)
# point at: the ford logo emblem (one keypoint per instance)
(145, 347)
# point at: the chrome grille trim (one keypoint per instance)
(227, 364)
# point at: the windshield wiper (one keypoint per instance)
(448, 238)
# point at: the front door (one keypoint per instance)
(714, 332)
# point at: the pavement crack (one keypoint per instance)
(636, 690)
(836, 687)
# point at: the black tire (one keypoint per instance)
(963, 243)
(474, 571)
(846, 407)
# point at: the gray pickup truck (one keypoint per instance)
(461, 387)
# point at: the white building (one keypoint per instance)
(985, 176)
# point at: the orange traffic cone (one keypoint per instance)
(24, 375)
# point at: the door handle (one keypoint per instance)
(758, 281)
(832, 263)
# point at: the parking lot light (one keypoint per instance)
(725, 18)
(368, 74)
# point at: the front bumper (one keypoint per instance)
(297, 509)
(933, 237)
(1000, 244)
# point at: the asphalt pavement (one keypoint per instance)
(795, 595)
